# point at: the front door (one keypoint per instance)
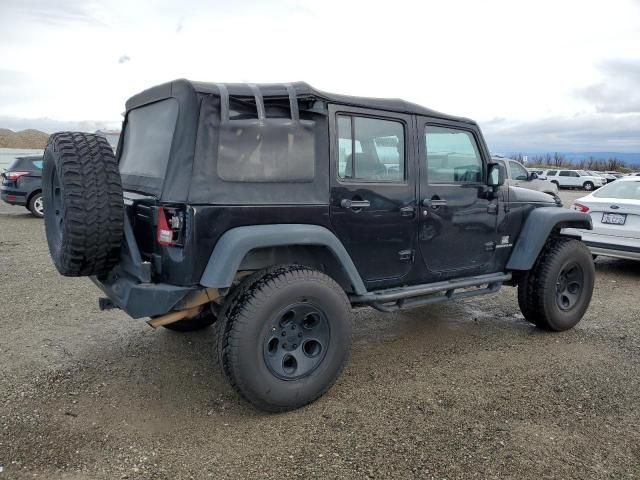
(373, 191)
(458, 221)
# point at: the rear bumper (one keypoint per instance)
(13, 197)
(129, 285)
(140, 299)
(608, 245)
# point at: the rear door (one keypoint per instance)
(569, 178)
(457, 222)
(373, 191)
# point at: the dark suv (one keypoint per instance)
(273, 209)
(22, 184)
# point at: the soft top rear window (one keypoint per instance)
(147, 145)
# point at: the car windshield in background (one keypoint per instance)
(629, 190)
(582, 173)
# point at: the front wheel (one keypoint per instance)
(588, 186)
(285, 337)
(555, 293)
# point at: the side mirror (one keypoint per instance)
(496, 175)
(533, 176)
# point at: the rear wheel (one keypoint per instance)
(555, 293)
(285, 337)
(85, 210)
(36, 205)
(588, 186)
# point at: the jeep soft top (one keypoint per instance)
(272, 209)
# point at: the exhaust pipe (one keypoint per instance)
(174, 317)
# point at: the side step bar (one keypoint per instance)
(395, 299)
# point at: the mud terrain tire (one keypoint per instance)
(83, 194)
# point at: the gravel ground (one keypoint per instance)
(466, 389)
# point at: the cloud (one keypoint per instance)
(585, 132)
(124, 59)
(618, 92)
(60, 12)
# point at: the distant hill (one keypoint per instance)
(23, 139)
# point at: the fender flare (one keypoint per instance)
(235, 243)
(537, 228)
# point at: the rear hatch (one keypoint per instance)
(155, 157)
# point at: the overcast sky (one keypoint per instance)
(537, 75)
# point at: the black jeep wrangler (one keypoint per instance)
(274, 209)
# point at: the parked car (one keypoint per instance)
(615, 213)
(575, 179)
(22, 184)
(518, 176)
(607, 176)
(273, 209)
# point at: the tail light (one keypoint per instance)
(580, 207)
(14, 176)
(169, 226)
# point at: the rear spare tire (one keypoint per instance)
(85, 211)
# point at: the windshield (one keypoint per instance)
(582, 173)
(621, 189)
(595, 174)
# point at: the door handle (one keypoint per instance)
(354, 204)
(434, 202)
(407, 211)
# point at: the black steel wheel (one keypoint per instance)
(297, 341)
(555, 293)
(569, 286)
(284, 337)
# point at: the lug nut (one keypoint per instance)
(284, 345)
(295, 346)
(300, 334)
(284, 334)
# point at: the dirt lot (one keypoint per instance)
(458, 390)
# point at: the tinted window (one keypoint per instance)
(370, 149)
(551, 173)
(518, 172)
(452, 156)
(629, 190)
(568, 173)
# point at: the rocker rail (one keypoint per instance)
(394, 299)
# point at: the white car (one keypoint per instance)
(615, 213)
(607, 176)
(575, 179)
